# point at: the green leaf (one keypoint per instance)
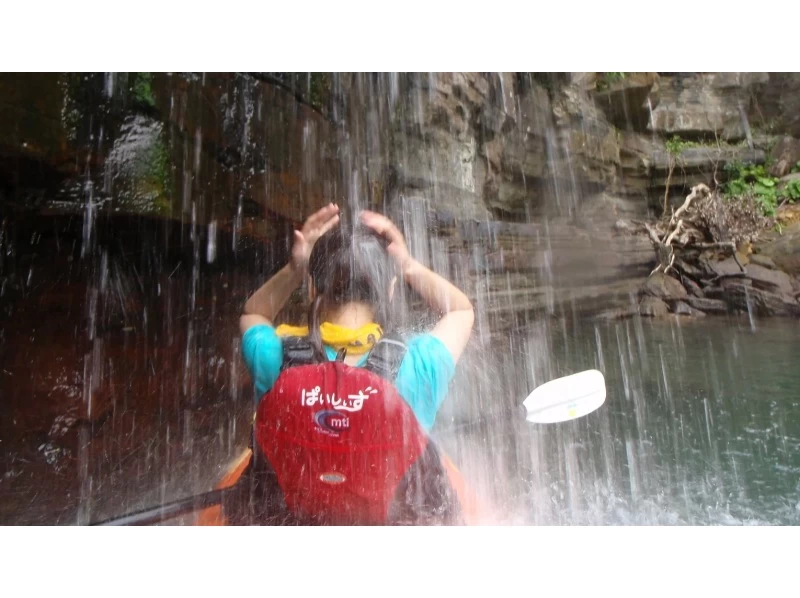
(736, 187)
(792, 190)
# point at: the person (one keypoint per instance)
(345, 403)
(346, 317)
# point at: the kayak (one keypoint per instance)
(236, 499)
(473, 510)
(214, 515)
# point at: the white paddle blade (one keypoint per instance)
(566, 398)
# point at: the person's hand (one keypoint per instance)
(384, 227)
(319, 223)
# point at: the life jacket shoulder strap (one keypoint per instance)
(386, 356)
(297, 350)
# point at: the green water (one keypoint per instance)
(701, 424)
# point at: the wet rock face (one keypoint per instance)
(763, 261)
(479, 145)
(663, 286)
(120, 370)
(697, 161)
(785, 156)
(137, 169)
(589, 146)
(747, 298)
(774, 281)
(238, 152)
(726, 287)
(40, 132)
(468, 141)
(784, 249)
(625, 101)
(709, 306)
(702, 105)
(779, 102)
(472, 143)
(653, 307)
(179, 146)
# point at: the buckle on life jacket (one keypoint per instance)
(297, 351)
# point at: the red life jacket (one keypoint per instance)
(345, 446)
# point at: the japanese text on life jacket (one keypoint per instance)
(354, 402)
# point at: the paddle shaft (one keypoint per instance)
(485, 419)
(170, 510)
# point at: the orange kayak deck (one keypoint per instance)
(214, 515)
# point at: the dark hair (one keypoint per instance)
(349, 265)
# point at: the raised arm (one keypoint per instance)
(458, 316)
(266, 302)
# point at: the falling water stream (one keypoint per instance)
(124, 265)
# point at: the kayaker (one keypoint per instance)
(354, 308)
(346, 404)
